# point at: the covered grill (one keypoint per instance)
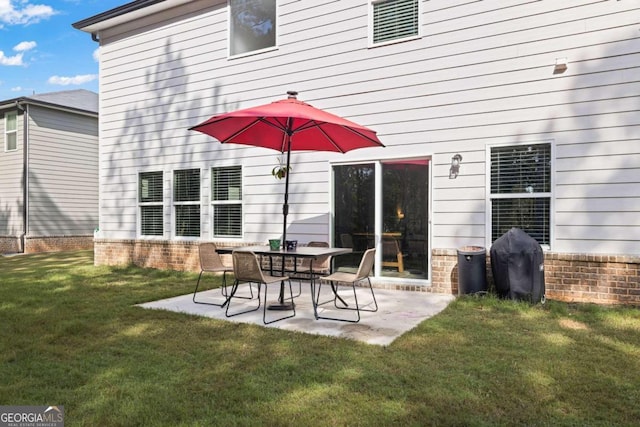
(517, 264)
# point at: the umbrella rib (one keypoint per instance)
(312, 123)
(239, 131)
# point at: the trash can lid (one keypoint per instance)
(471, 250)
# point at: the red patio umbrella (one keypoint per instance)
(285, 126)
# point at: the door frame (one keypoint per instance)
(377, 278)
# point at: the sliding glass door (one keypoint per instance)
(390, 213)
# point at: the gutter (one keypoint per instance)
(114, 13)
(25, 100)
(25, 172)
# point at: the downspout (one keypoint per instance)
(25, 172)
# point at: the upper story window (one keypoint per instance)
(186, 201)
(10, 131)
(226, 201)
(252, 26)
(394, 20)
(150, 203)
(521, 190)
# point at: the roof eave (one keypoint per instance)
(12, 103)
(125, 13)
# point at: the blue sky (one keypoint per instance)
(41, 52)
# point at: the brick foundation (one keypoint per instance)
(57, 243)
(602, 279)
(10, 245)
(13, 244)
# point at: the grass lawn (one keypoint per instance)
(70, 335)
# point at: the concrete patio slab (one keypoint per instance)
(398, 312)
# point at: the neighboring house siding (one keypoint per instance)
(481, 74)
(63, 181)
(11, 183)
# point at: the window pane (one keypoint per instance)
(151, 220)
(188, 220)
(354, 211)
(530, 214)
(12, 120)
(150, 187)
(12, 141)
(10, 135)
(228, 220)
(252, 25)
(186, 185)
(395, 19)
(226, 183)
(521, 169)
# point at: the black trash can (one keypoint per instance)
(517, 264)
(472, 270)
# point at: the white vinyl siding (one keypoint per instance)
(11, 185)
(394, 20)
(63, 178)
(480, 75)
(10, 131)
(226, 201)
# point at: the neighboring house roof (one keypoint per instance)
(78, 100)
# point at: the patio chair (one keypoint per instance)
(321, 266)
(210, 262)
(391, 254)
(246, 269)
(351, 279)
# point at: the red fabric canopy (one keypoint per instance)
(269, 125)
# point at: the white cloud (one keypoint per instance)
(25, 13)
(96, 55)
(10, 60)
(75, 80)
(24, 46)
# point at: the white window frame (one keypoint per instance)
(215, 203)
(549, 195)
(144, 204)
(371, 42)
(252, 52)
(8, 132)
(175, 203)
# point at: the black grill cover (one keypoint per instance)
(517, 264)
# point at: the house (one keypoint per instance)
(493, 114)
(49, 172)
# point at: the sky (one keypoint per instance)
(41, 52)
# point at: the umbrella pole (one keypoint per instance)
(285, 206)
(282, 305)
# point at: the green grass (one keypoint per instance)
(70, 334)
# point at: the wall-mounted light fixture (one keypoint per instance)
(561, 66)
(455, 166)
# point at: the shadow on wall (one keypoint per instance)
(598, 161)
(153, 135)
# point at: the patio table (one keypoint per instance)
(309, 252)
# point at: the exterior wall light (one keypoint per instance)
(561, 66)
(455, 166)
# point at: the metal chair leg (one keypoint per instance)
(234, 289)
(357, 307)
(264, 314)
(223, 290)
